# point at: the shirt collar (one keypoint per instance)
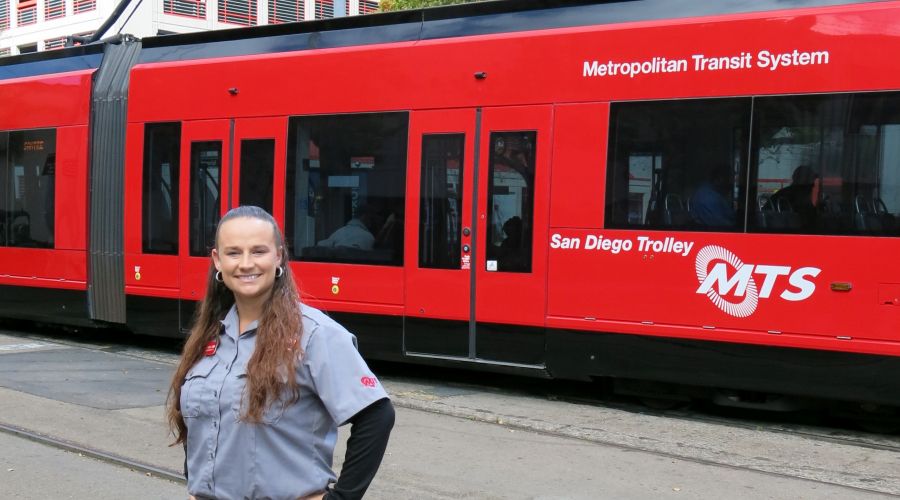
(231, 322)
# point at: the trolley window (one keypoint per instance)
(27, 197)
(345, 188)
(678, 164)
(5, 198)
(206, 182)
(257, 172)
(511, 198)
(441, 201)
(160, 188)
(827, 164)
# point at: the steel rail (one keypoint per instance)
(62, 444)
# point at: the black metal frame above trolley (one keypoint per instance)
(483, 18)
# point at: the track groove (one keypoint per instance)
(111, 458)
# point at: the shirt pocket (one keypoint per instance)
(270, 416)
(198, 396)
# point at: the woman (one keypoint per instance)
(264, 382)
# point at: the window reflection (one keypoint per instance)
(819, 164)
(828, 164)
(678, 164)
(345, 188)
(27, 192)
(441, 201)
(511, 201)
(257, 173)
(160, 188)
(206, 181)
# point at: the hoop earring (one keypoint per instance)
(279, 272)
(219, 277)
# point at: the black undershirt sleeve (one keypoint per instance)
(370, 429)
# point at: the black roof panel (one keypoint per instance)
(479, 18)
(51, 61)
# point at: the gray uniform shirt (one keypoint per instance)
(289, 454)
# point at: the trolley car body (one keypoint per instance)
(598, 126)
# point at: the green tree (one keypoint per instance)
(388, 5)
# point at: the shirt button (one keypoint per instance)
(215, 424)
(211, 456)
(216, 393)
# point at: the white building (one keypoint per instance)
(36, 25)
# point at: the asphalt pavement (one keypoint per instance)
(29, 470)
(448, 442)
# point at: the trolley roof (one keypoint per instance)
(479, 18)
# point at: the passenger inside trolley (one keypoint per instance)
(801, 197)
(356, 233)
(513, 252)
(711, 204)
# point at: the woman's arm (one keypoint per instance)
(369, 433)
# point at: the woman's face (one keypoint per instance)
(247, 257)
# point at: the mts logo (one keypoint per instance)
(730, 277)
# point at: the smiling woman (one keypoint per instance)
(289, 374)
(247, 264)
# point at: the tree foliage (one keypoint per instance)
(389, 5)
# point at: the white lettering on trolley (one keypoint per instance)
(591, 242)
(731, 285)
(668, 244)
(731, 277)
(634, 68)
(742, 61)
(703, 63)
(795, 58)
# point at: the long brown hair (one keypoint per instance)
(274, 360)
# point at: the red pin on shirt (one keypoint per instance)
(211, 348)
(369, 381)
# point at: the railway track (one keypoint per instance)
(433, 390)
(769, 421)
(87, 451)
(803, 424)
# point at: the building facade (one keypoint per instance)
(37, 25)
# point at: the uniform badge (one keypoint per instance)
(369, 381)
(211, 348)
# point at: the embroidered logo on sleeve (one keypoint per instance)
(369, 381)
